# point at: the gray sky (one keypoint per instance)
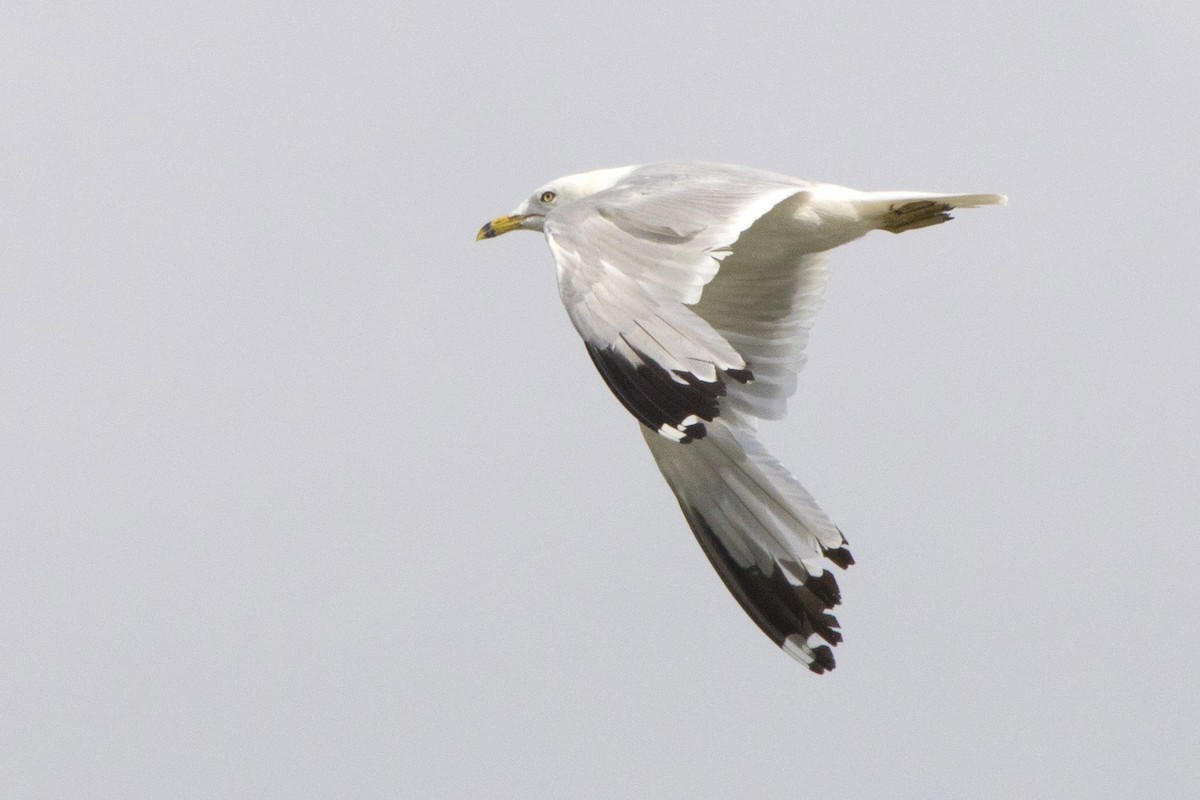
(306, 494)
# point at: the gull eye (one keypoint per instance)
(548, 197)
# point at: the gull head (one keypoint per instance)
(531, 214)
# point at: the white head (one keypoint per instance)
(531, 215)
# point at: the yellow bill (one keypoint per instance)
(500, 225)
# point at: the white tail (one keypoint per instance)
(905, 211)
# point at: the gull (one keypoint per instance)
(694, 287)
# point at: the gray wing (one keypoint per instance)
(763, 301)
(633, 258)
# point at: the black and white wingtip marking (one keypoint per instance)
(790, 606)
(686, 430)
(674, 404)
(819, 659)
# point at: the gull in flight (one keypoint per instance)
(694, 287)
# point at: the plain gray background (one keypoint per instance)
(306, 494)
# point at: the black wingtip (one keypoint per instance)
(740, 375)
(697, 430)
(789, 613)
(825, 587)
(660, 399)
(840, 556)
(822, 660)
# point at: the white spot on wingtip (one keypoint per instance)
(671, 432)
(796, 647)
